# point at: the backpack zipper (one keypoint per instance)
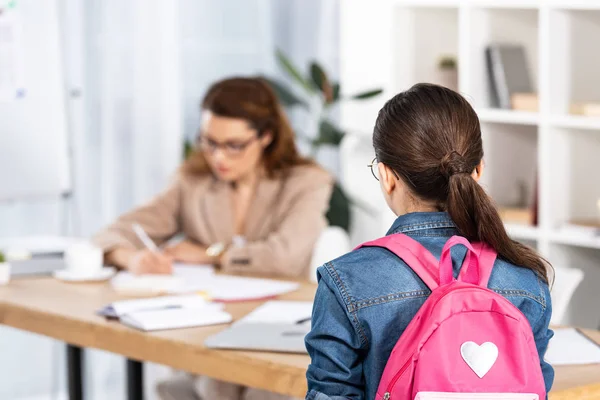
(387, 394)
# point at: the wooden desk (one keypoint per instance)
(66, 312)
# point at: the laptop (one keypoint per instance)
(270, 337)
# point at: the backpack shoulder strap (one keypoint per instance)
(479, 274)
(417, 257)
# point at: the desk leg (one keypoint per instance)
(75, 372)
(135, 380)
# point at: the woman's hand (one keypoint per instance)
(189, 252)
(150, 262)
(140, 261)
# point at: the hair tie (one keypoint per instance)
(453, 163)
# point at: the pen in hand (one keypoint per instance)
(144, 238)
(151, 260)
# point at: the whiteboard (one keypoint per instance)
(34, 144)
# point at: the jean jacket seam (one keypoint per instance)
(350, 307)
(424, 225)
(542, 297)
(391, 298)
(523, 293)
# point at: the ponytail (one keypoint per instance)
(477, 219)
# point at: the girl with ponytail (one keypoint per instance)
(245, 200)
(429, 159)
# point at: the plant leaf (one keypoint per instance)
(319, 78)
(289, 67)
(329, 134)
(339, 208)
(285, 95)
(335, 88)
(367, 94)
(188, 148)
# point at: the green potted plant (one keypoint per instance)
(448, 72)
(316, 93)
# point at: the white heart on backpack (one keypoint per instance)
(479, 358)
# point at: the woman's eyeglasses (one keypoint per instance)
(230, 149)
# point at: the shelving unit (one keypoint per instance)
(401, 43)
(508, 117)
(523, 232)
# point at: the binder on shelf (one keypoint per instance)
(508, 73)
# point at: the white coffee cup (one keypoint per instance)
(83, 258)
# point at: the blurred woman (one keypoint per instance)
(245, 201)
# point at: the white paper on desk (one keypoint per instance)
(193, 277)
(175, 318)
(570, 347)
(235, 288)
(186, 278)
(279, 312)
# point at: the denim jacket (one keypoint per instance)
(366, 298)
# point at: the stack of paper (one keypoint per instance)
(569, 347)
(36, 245)
(167, 312)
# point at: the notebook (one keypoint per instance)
(119, 308)
(570, 347)
(175, 318)
(166, 312)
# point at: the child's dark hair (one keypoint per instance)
(430, 136)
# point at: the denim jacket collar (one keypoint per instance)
(418, 221)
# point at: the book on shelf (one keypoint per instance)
(525, 102)
(508, 74)
(516, 215)
(523, 211)
(585, 109)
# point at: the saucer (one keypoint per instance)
(75, 276)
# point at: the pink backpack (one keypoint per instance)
(466, 342)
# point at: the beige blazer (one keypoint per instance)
(284, 221)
